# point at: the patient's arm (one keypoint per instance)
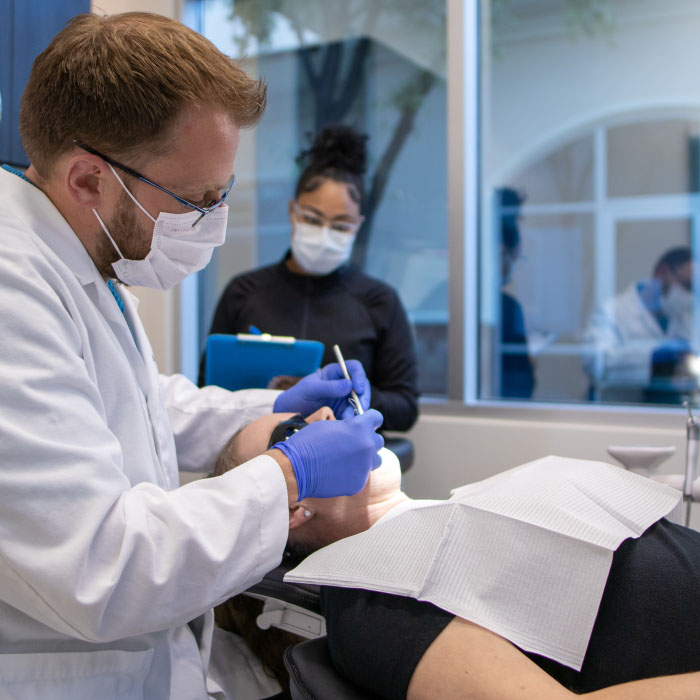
(468, 661)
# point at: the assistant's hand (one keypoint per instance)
(333, 458)
(326, 387)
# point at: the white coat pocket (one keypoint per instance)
(114, 674)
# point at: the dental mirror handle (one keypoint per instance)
(691, 455)
(691, 460)
(690, 465)
(341, 361)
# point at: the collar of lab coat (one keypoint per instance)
(39, 214)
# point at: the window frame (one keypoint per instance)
(466, 211)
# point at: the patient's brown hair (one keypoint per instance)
(239, 614)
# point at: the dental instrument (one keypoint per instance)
(354, 398)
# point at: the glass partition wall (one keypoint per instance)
(584, 146)
(590, 114)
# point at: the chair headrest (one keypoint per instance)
(303, 595)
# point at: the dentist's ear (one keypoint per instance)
(84, 180)
(299, 514)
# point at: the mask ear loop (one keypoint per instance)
(133, 199)
(104, 228)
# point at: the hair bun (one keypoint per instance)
(337, 147)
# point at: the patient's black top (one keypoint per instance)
(648, 623)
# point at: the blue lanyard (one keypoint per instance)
(16, 171)
(115, 294)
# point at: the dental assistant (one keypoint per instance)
(109, 569)
(314, 293)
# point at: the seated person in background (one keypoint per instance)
(517, 371)
(313, 293)
(398, 647)
(641, 337)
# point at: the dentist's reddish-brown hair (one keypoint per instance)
(117, 83)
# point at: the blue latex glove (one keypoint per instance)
(333, 458)
(326, 387)
(671, 352)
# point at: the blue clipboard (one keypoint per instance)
(246, 361)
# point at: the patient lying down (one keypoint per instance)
(645, 642)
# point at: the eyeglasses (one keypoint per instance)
(213, 204)
(285, 429)
(314, 219)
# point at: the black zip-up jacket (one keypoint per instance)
(362, 315)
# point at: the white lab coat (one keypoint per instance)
(103, 559)
(622, 335)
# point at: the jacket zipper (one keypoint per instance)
(305, 315)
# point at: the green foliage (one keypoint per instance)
(588, 18)
(257, 18)
(355, 17)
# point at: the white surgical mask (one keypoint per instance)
(677, 302)
(320, 249)
(177, 248)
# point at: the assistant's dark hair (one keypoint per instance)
(338, 153)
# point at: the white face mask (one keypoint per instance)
(677, 302)
(320, 249)
(177, 248)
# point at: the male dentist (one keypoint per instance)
(108, 569)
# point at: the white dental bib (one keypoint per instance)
(525, 553)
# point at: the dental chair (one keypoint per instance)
(312, 675)
(296, 608)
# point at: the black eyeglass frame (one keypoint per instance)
(134, 173)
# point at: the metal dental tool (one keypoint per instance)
(691, 459)
(354, 398)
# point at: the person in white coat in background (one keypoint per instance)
(640, 339)
(109, 569)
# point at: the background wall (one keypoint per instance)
(170, 8)
(456, 449)
(545, 84)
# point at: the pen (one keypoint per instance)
(354, 398)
